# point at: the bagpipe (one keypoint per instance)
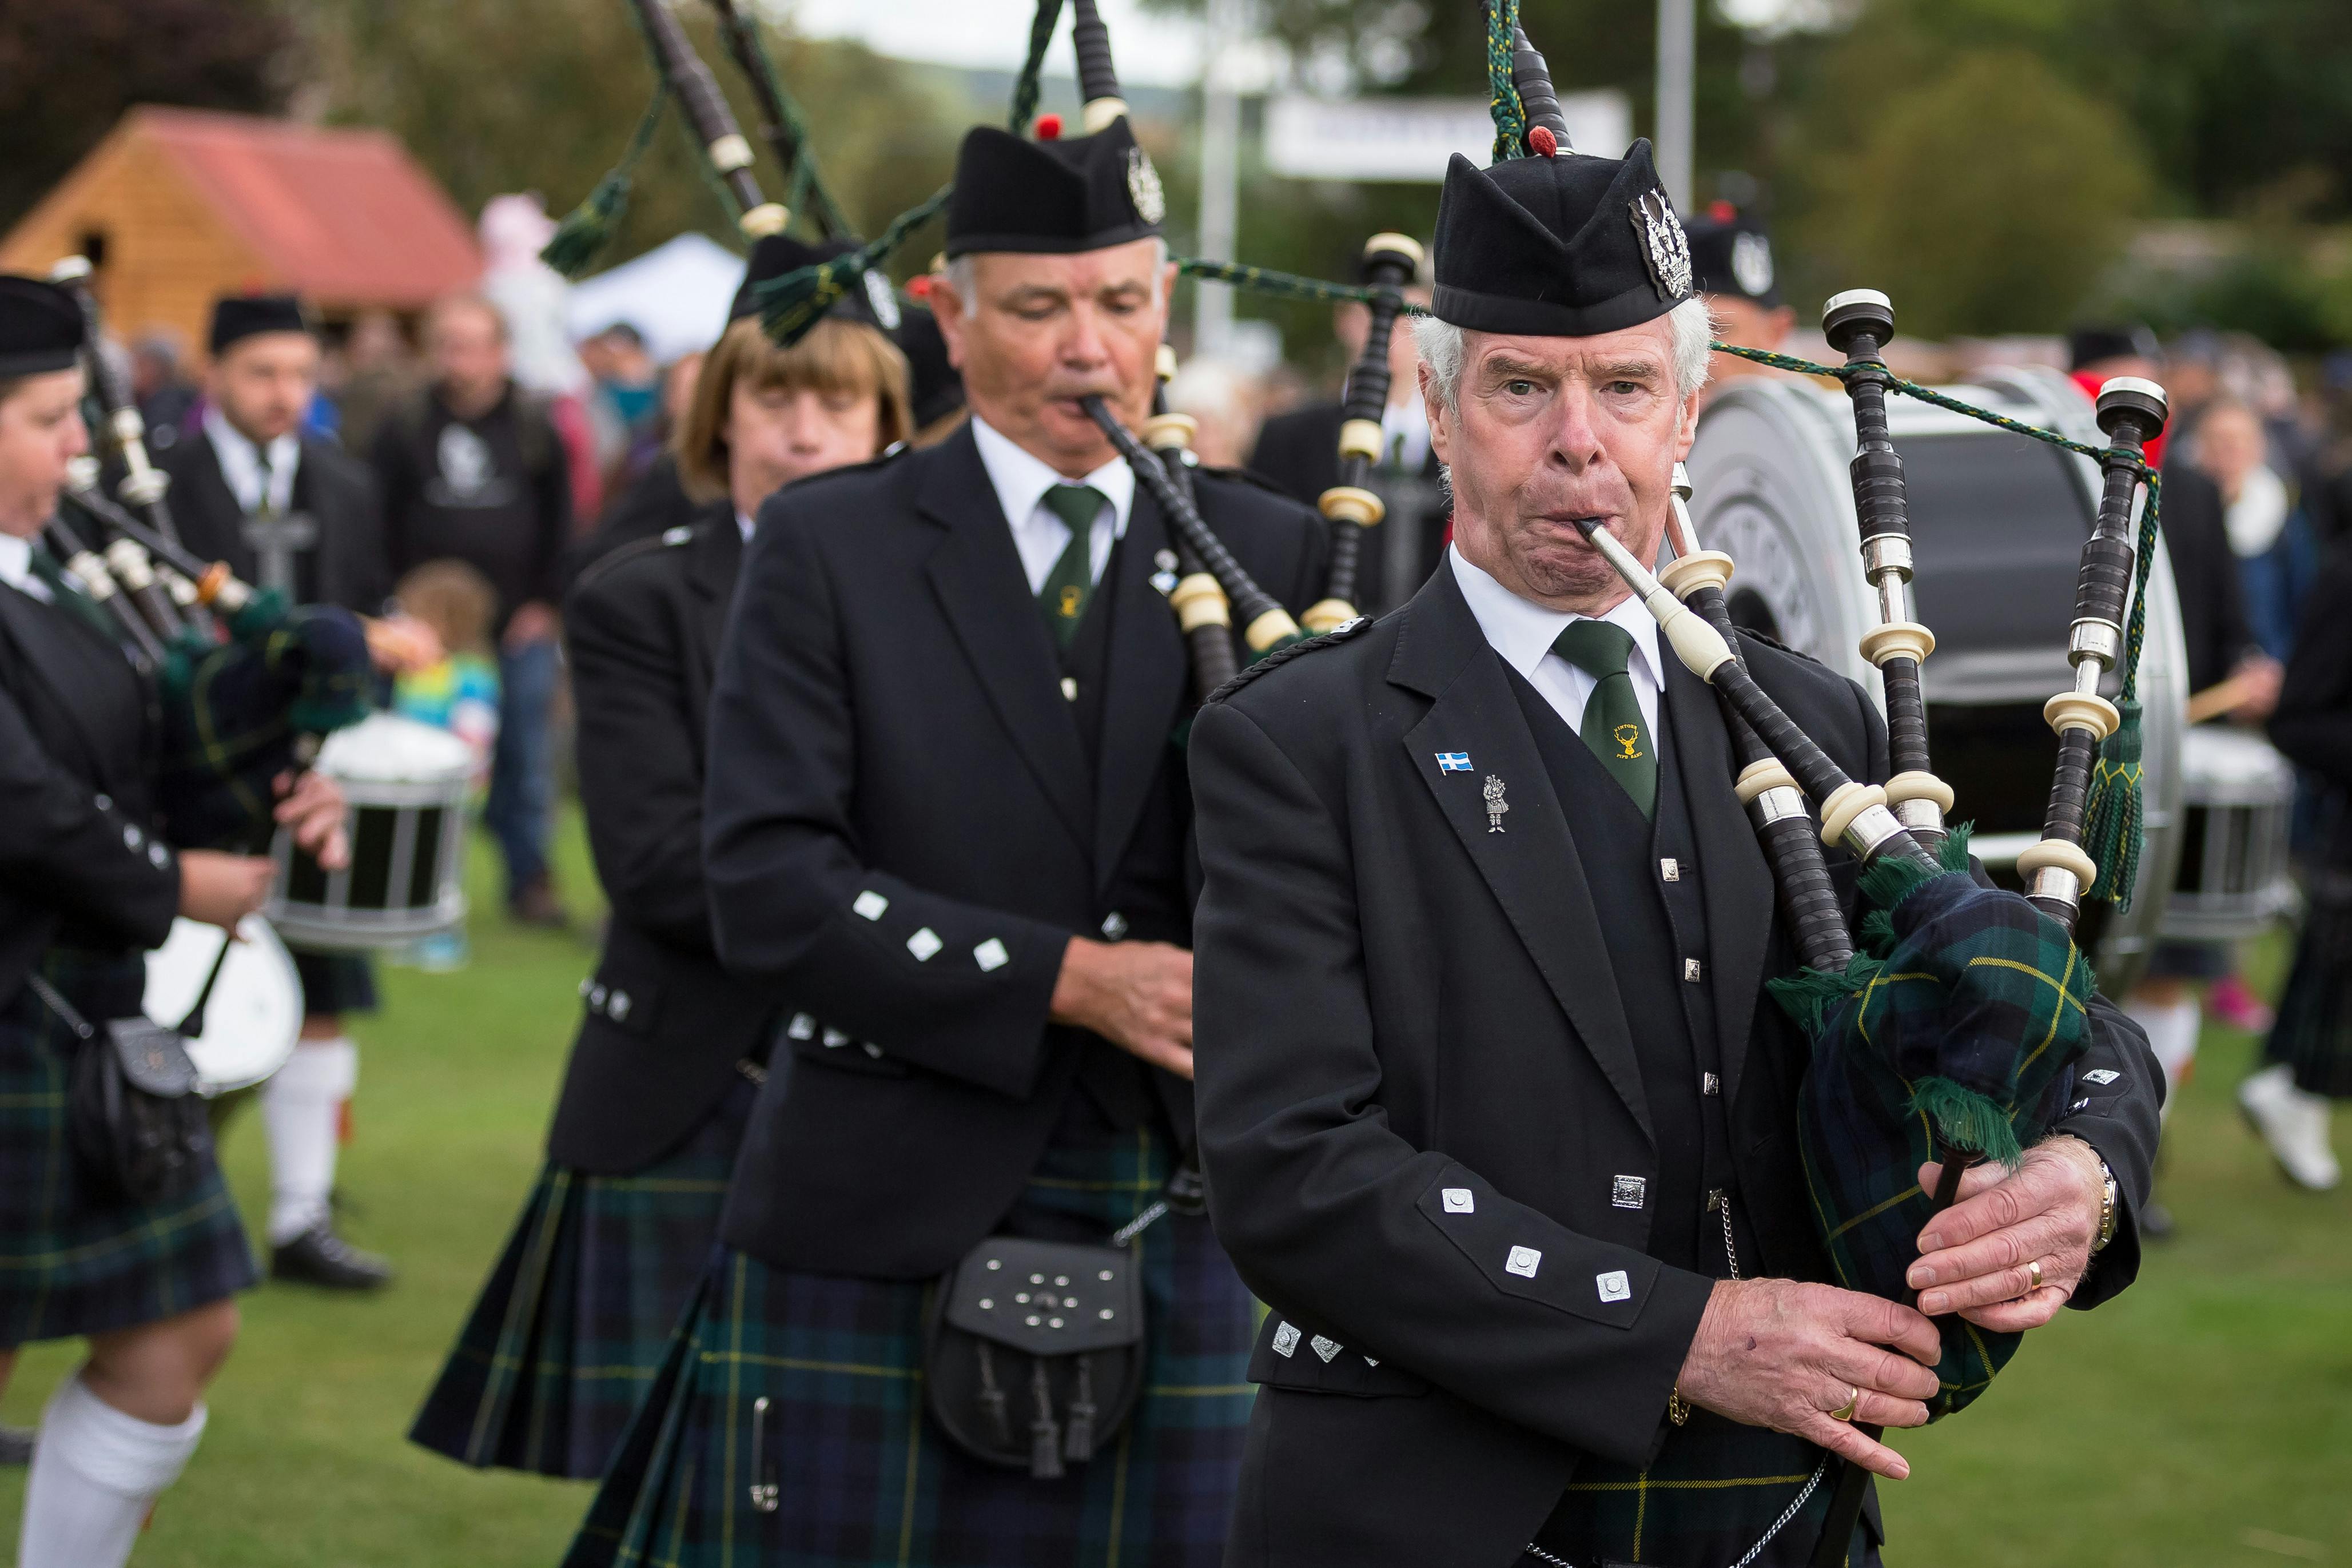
(1205, 617)
(246, 682)
(1389, 262)
(246, 693)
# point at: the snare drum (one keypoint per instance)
(405, 785)
(253, 1016)
(2237, 795)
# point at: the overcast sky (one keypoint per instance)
(1150, 47)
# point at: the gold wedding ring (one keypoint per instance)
(2034, 1271)
(1845, 1412)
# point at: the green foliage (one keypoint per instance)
(68, 71)
(543, 94)
(1987, 197)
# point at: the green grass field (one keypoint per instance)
(2204, 1418)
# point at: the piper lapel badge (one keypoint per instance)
(1495, 805)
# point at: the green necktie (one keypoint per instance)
(1071, 583)
(67, 595)
(1612, 715)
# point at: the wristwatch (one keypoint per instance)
(2108, 1210)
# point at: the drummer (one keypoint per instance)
(85, 888)
(661, 1079)
(1731, 265)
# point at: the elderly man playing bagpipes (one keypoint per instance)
(1497, 1117)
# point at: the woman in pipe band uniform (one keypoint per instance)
(84, 888)
(577, 1311)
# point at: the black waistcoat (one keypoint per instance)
(1147, 897)
(1647, 884)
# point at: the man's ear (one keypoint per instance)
(1686, 427)
(946, 309)
(1440, 417)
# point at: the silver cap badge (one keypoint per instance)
(1143, 186)
(1664, 246)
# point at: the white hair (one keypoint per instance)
(1445, 347)
(963, 276)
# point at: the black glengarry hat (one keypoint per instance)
(1085, 192)
(40, 327)
(2090, 345)
(1732, 253)
(873, 301)
(239, 316)
(1567, 246)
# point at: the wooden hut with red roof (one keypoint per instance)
(178, 207)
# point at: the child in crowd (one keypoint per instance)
(459, 693)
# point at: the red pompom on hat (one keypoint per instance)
(1049, 127)
(1542, 143)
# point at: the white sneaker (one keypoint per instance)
(2294, 1125)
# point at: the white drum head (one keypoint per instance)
(386, 749)
(254, 1014)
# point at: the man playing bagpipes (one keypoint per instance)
(946, 806)
(1497, 1118)
(290, 510)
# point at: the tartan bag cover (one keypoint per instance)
(1956, 1027)
(232, 711)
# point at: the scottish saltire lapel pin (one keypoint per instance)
(1452, 761)
(1495, 805)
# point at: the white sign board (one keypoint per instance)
(1411, 138)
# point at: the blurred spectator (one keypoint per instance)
(1223, 403)
(472, 469)
(379, 370)
(162, 387)
(458, 692)
(1731, 264)
(2098, 354)
(658, 501)
(531, 296)
(2270, 538)
(625, 404)
(1299, 453)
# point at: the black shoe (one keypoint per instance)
(2154, 1221)
(319, 1256)
(15, 1445)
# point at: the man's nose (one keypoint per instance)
(1083, 344)
(1576, 438)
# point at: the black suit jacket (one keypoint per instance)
(336, 488)
(898, 825)
(664, 1025)
(2313, 725)
(79, 859)
(1390, 1001)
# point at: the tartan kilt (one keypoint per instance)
(2313, 1034)
(1713, 1490)
(75, 1258)
(578, 1313)
(335, 982)
(864, 1477)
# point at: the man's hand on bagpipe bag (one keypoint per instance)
(2011, 1252)
(1813, 1361)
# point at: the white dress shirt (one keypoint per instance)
(240, 463)
(1523, 632)
(1021, 480)
(744, 525)
(16, 567)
